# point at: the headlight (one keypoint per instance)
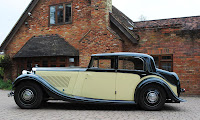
(24, 72)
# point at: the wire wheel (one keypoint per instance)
(28, 95)
(152, 97)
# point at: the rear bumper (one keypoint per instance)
(176, 99)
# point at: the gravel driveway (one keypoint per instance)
(57, 110)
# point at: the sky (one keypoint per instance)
(11, 10)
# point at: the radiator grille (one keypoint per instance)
(58, 81)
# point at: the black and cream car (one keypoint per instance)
(111, 78)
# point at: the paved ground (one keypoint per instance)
(189, 110)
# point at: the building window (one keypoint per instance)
(53, 59)
(62, 65)
(62, 59)
(71, 62)
(28, 63)
(164, 62)
(60, 14)
(45, 63)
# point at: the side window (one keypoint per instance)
(103, 62)
(130, 63)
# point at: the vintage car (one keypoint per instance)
(111, 78)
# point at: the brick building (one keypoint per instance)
(175, 46)
(65, 33)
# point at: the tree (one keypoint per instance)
(142, 18)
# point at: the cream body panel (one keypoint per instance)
(77, 91)
(99, 85)
(61, 80)
(125, 85)
(173, 87)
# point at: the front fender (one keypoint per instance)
(160, 82)
(52, 91)
(32, 77)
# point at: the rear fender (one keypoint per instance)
(160, 82)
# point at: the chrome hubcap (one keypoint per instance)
(27, 95)
(152, 97)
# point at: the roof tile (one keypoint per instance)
(50, 45)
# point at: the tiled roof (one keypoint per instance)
(50, 45)
(125, 22)
(186, 23)
(122, 17)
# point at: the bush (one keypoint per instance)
(6, 85)
(5, 64)
(1, 72)
(5, 61)
(1, 68)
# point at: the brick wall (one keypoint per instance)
(184, 47)
(100, 38)
(89, 31)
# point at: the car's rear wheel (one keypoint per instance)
(152, 97)
(28, 95)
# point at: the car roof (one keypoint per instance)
(123, 54)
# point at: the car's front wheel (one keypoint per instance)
(28, 95)
(152, 97)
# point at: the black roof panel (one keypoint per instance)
(123, 54)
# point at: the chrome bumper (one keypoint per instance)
(10, 94)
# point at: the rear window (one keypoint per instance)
(130, 63)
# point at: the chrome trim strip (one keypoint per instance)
(58, 69)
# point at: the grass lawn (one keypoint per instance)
(5, 85)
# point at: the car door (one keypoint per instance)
(100, 79)
(129, 74)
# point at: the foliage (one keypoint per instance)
(1, 69)
(5, 61)
(142, 18)
(1, 72)
(6, 85)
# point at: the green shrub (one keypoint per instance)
(5, 64)
(6, 85)
(1, 68)
(5, 61)
(1, 72)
